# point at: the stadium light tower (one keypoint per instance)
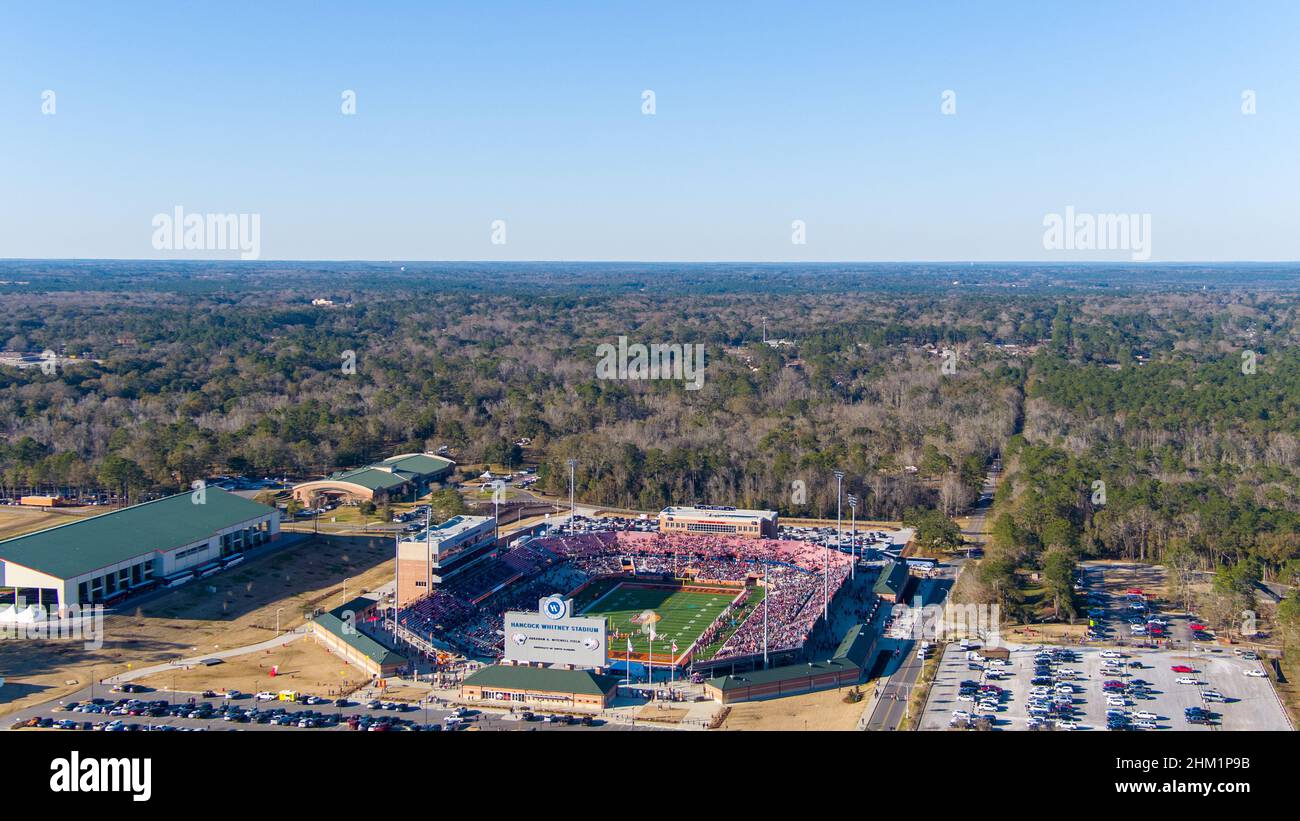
(573, 463)
(839, 527)
(853, 535)
(767, 593)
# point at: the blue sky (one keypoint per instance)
(766, 113)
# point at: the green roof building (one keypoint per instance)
(394, 478)
(337, 630)
(104, 558)
(544, 687)
(845, 668)
(892, 583)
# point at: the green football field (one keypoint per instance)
(682, 616)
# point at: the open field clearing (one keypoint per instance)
(826, 710)
(232, 609)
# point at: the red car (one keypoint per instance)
(1182, 668)
(1137, 591)
(1113, 685)
(1196, 628)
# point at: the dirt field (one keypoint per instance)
(15, 521)
(304, 665)
(813, 711)
(231, 609)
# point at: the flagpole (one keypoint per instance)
(650, 675)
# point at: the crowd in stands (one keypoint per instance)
(467, 611)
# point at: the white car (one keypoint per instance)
(965, 697)
(1145, 725)
(1256, 673)
(1115, 701)
(1066, 724)
(1145, 715)
(986, 707)
(1111, 654)
(1186, 680)
(960, 714)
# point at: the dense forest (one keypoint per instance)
(1162, 430)
(1146, 413)
(168, 386)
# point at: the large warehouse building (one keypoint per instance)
(105, 558)
(398, 477)
(724, 521)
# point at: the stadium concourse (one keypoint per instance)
(705, 592)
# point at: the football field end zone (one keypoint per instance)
(674, 586)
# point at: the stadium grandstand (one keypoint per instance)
(707, 595)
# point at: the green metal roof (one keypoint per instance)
(893, 578)
(786, 672)
(84, 545)
(371, 648)
(856, 644)
(419, 463)
(545, 679)
(371, 478)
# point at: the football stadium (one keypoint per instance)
(679, 600)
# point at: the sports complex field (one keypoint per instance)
(679, 615)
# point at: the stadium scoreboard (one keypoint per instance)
(553, 635)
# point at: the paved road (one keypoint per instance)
(892, 706)
(897, 689)
(280, 640)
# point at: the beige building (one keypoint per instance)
(718, 520)
(405, 476)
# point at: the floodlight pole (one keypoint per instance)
(767, 592)
(853, 535)
(572, 464)
(497, 490)
(839, 524)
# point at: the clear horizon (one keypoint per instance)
(515, 133)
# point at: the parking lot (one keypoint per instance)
(1152, 688)
(115, 714)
